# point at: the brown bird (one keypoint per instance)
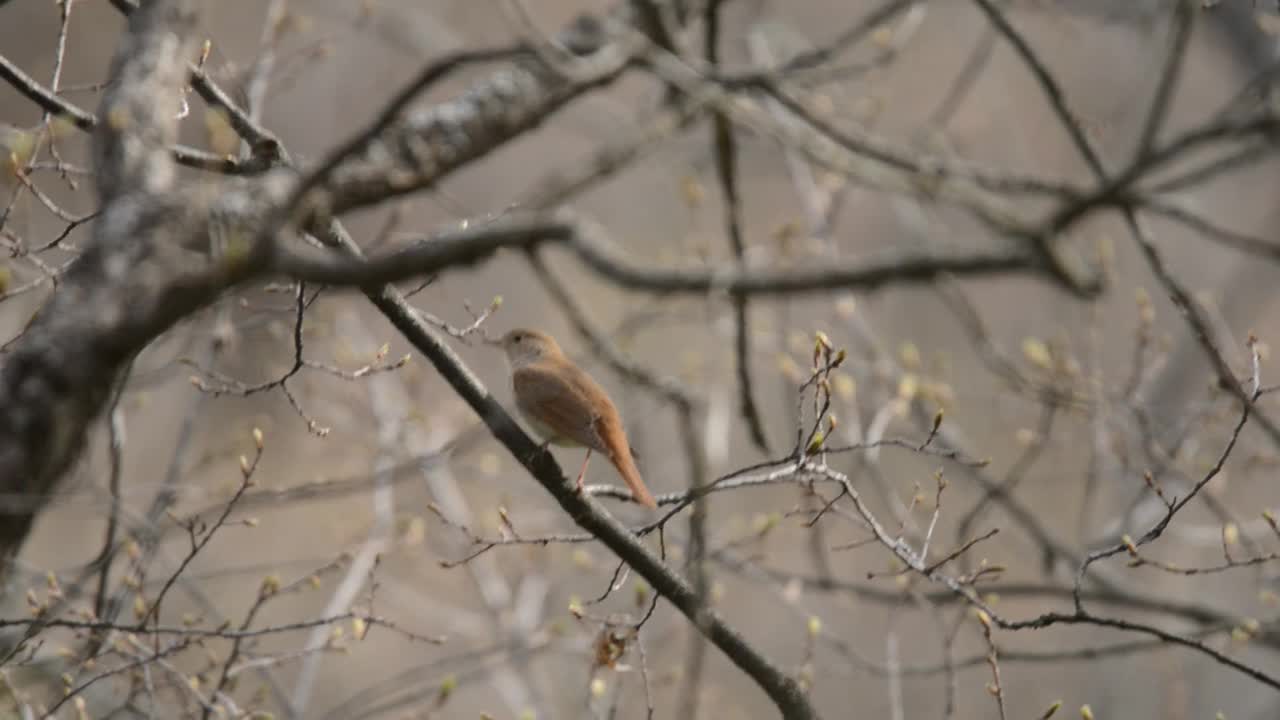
(567, 407)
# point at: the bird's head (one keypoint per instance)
(524, 346)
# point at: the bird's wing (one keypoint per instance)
(559, 400)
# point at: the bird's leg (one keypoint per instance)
(583, 472)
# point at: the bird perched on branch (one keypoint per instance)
(565, 406)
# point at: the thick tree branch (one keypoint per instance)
(406, 152)
(58, 376)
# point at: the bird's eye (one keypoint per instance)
(517, 338)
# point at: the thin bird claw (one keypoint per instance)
(583, 472)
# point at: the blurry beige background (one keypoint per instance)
(512, 644)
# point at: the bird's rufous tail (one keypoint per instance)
(631, 475)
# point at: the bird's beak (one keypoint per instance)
(496, 342)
